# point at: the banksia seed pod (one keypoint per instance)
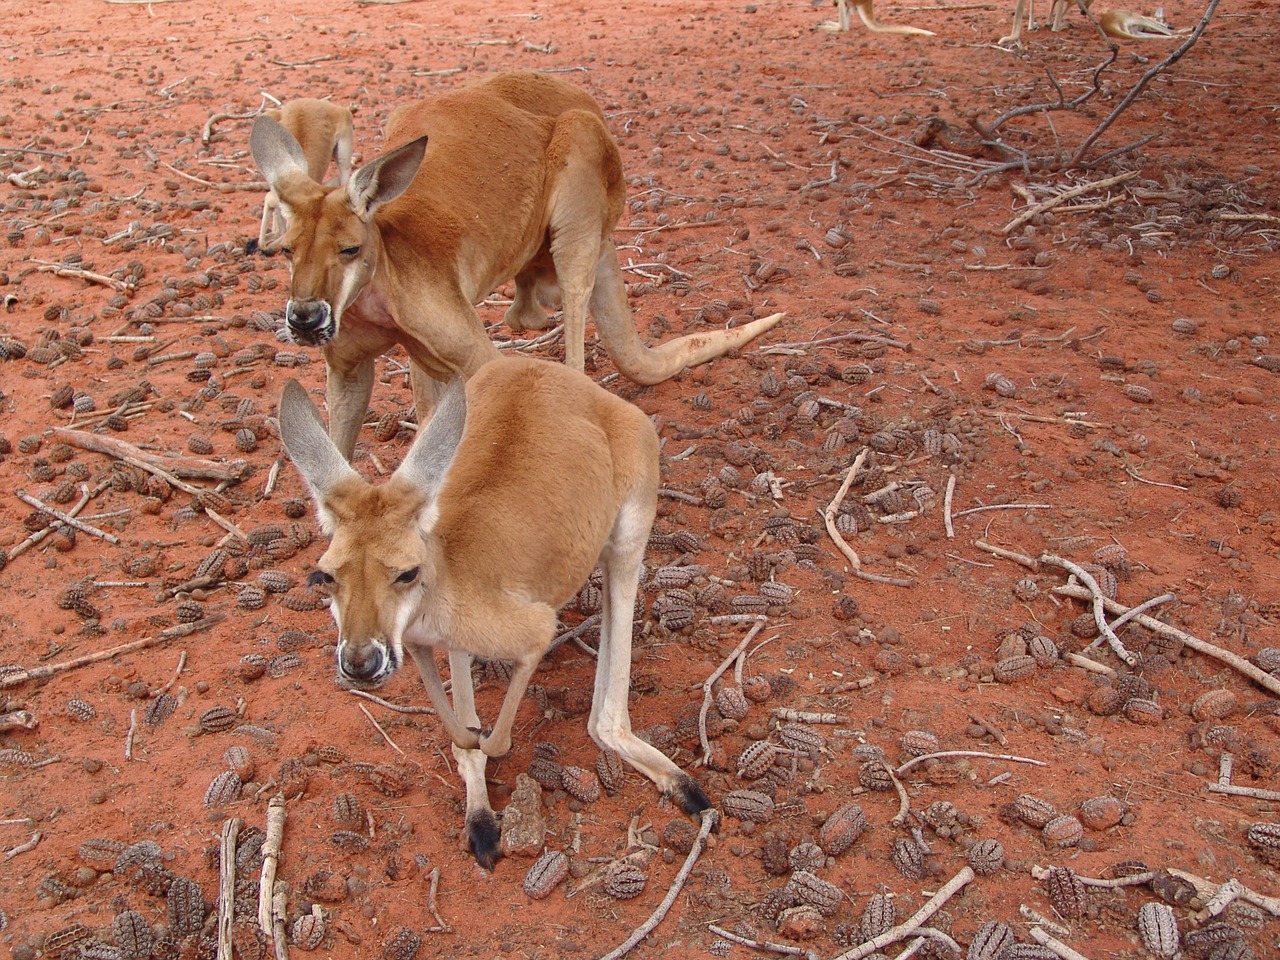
(134, 855)
(1085, 626)
(581, 784)
(388, 781)
(1138, 393)
(1033, 811)
(349, 840)
(875, 775)
(216, 719)
(1013, 669)
(1216, 940)
(188, 611)
(916, 743)
(251, 597)
(1265, 839)
(239, 759)
(1214, 705)
(403, 946)
(807, 856)
(277, 581)
(1158, 928)
(101, 853)
(64, 942)
(757, 689)
(200, 446)
(347, 812)
(1044, 651)
(842, 829)
(879, 915)
(285, 663)
(778, 594)
(799, 736)
(186, 907)
(223, 790)
(1069, 896)
(624, 880)
(251, 666)
(986, 857)
(732, 703)
(679, 835)
(547, 873)
(670, 576)
(908, 857)
(160, 709)
(1102, 813)
(546, 771)
(307, 932)
(1143, 712)
(750, 806)
(823, 896)
(133, 935)
(991, 941)
(756, 759)
(80, 710)
(1062, 831)
(1105, 701)
(610, 770)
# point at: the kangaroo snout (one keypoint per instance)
(367, 665)
(309, 322)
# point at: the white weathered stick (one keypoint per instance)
(1098, 599)
(1056, 945)
(710, 683)
(967, 753)
(227, 886)
(913, 923)
(276, 815)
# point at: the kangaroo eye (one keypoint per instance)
(408, 576)
(318, 578)
(349, 252)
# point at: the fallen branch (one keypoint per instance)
(227, 886)
(85, 496)
(709, 820)
(710, 682)
(23, 847)
(276, 815)
(37, 673)
(1047, 939)
(66, 518)
(76, 273)
(190, 468)
(1098, 599)
(941, 755)
(1238, 663)
(914, 922)
(1217, 897)
(1063, 197)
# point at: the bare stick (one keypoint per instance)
(128, 738)
(390, 706)
(441, 926)
(1084, 663)
(66, 518)
(1063, 197)
(279, 919)
(75, 273)
(1257, 793)
(1142, 608)
(23, 847)
(709, 820)
(1208, 891)
(967, 753)
(181, 630)
(1003, 506)
(276, 815)
(377, 726)
(783, 948)
(190, 468)
(1044, 937)
(787, 715)
(829, 514)
(1136, 880)
(1099, 609)
(946, 506)
(915, 922)
(1031, 563)
(227, 886)
(904, 802)
(85, 496)
(710, 682)
(18, 720)
(177, 672)
(1238, 663)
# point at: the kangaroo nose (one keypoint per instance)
(363, 664)
(309, 321)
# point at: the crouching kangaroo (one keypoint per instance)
(512, 176)
(524, 480)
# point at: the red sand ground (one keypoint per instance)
(833, 176)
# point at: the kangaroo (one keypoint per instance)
(446, 556)
(324, 132)
(512, 176)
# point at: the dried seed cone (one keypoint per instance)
(403, 946)
(1105, 701)
(547, 873)
(1102, 813)
(186, 906)
(224, 790)
(1033, 811)
(624, 880)
(986, 857)
(1146, 713)
(732, 703)
(216, 719)
(101, 853)
(1265, 839)
(1013, 669)
(307, 932)
(610, 770)
(1044, 651)
(1158, 928)
(842, 829)
(799, 736)
(916, 743)
(1069, 896)
(750, 806)
(388, 781)
(756, 759)
(133, 935)
(581, 784)
(1062, 831)
(908, 858)
(239, 759)
(875, 775)
(1214, 705)
(879, 915)
(991, 941)
(808, 888)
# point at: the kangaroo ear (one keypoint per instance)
(308, 443)
(433, 451)
(275, 150)
(382, 180)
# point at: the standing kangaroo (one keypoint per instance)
(513, 176)
(446, 555)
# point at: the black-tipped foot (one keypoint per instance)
(483, 837)
(251, 247)
(690, 795)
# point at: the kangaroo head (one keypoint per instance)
(331, 239)
(382, 556)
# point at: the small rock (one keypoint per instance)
(524, 828)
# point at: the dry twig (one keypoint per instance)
(914, 922)
(1098, 599)
(710, 683)
(227, 886)
(276, 816)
